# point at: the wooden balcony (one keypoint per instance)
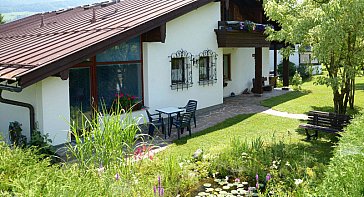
(241, 34)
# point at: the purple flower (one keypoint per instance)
(268, 177)
(117, 176)
(161, 192)
(237, 180)
(257, 177)
(160, 188)
(257, 185)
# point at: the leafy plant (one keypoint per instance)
(42, 143)
(291, 69)
(125, 101)
(296, 81)
(15, 134)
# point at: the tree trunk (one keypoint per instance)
(352, 93)
(339, 106)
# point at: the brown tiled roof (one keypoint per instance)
(30, 52)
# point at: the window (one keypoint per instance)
(115, 71)
(227, 67)
(207, 67)
(114, 79)
(178, 71)
(79, 91)
(181, 72)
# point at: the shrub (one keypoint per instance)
(345, 175)
(304, 70)
(291, 69)
(296, 81)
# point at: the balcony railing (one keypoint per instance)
(241, 34)
(245, 26)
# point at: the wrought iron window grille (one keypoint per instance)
(181, 70)
(206, 62)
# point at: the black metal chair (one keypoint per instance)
(155, 121)
(183, 121)
(191, 107)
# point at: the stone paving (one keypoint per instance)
(232, 106)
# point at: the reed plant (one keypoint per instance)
(108, 138)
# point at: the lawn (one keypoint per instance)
(312, 97)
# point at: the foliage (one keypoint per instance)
(332, 28)
(41, 143)
(2, 20)
(125, 102)
(345, 176)
(15, 134)
(23, 173)
(296, 81)
(312, 97)
(108, 138)
(291, 69)
(291, 168)
(305, 70)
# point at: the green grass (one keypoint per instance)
(345, 174)
(217, 138)
(313, 97)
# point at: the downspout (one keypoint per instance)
(20, 104)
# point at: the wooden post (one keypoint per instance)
(275, 63)
(258, 88)
(286, 72)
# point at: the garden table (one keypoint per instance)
(169, 111)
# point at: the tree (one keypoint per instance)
(335, 31)
(2, 21)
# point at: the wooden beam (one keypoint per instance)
(155, 35)
(258, 86)
(286, 72)
(275, 59)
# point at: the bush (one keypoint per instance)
(345, 174)
(291, 69)
(296, 81)
(304, 70)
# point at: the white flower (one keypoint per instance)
(298, 181)
(287, 164)
(180, 164)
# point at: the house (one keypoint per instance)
(163, 52)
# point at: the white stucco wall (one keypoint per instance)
(243, 69)
(55, 109)
(50, 101)
(193, 32)
(11, 113)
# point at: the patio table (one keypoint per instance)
(169, 111)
